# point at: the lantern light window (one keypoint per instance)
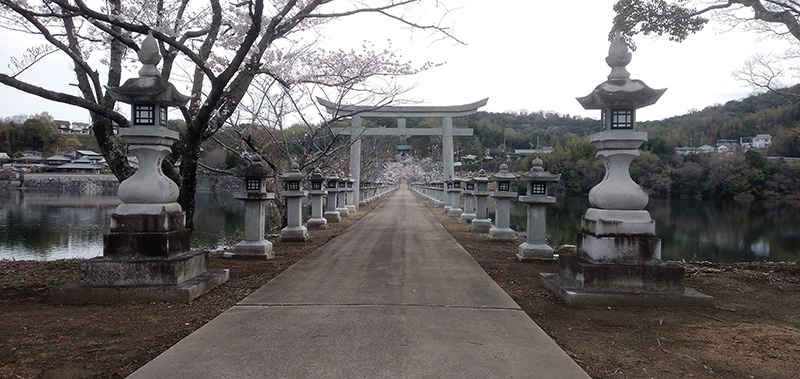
(621, 119)
(503, 186)
(316, 185)
(293, 186)
(470, 186)
(162, 115)
(538, 188)
(144, 114)
(253, 184)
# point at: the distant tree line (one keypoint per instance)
(37, 132)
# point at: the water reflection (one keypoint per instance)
(52, 226)
(717, 231)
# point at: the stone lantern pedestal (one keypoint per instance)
(481, 222)
(619, 255)
(341, 196)
(255, 197)
(350, 199)
(502, 231)
(331, 214)
(146, 255)
(455, 199)
(317, 193)
(469, 201)
(293, 194)
(537, 197)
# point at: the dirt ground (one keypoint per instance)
(753, 332)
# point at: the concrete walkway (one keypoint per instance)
(394, 296)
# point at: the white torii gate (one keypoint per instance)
(401, 112)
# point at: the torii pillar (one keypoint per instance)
(356, 130)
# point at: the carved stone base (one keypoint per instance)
(294, 234)
(466, 218)
(502, 235)
(528, 252)
(481, 225)
(455, 212)
(317, 223)
(251, 250)
(583, 283)
(332, 216)
(182, 277)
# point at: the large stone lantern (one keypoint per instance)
(469, 201)
(481, 222)
(537, 196)
(331, 214)
(293, 193)
(502, 195)
(317, 192)
(351, 201)
(619, 256)
(455, 198)
(255, 197)
(341, 196)
(146, 255)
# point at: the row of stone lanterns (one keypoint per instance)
(337, 189)
(618, 259)
(476, 191)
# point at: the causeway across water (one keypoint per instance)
(393, 296)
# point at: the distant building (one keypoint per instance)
(81, 128)
(705, 149)
(722, 149)
(518, 154)
(685, 150)
(762, 141)
(63, 126)
(4, 157)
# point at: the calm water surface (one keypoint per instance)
(53, 226)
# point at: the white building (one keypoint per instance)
(762, 141)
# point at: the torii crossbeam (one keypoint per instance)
(402, 112)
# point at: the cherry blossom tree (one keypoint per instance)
(261, 54)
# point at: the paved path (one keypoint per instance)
(394, 296)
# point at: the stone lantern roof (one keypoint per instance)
(503, 174)
(620, 91)
(481, 177)
(538, 174)
(149, 87)
(256, 168)
(316, 175)
(293, 175)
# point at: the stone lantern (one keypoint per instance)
(317, 192)
(537, 197)
(469, 200)
(255, 197)
(341, 196)
(350, 202)
(481, 223)
(619, 256)
(447, 190)
(503, 195)
(331, 214)
(455, 199)
(293, 193)
(146, 255)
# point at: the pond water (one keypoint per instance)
(717, 231)
(52, 226)
(46, 226)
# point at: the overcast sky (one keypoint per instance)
(522, 55)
